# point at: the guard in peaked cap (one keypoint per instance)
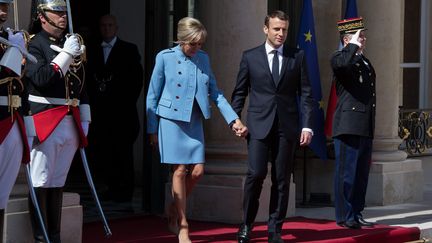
(350, 26)
(353, 124)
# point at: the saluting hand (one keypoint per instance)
(355, 39)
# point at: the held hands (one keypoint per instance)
(71, 46)
(239, 129)
(355, 39)
(305, 138)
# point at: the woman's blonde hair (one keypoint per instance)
(190, 30)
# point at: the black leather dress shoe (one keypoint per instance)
(350, 224)
(274, 237)
(243, 233)
(363, 222)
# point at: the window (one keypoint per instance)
(416, 55)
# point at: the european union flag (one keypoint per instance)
(306, 41)
(351, 9)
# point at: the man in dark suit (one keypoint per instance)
(274, 77)
(115, 82)
(353, 123)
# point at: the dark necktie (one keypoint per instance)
(275, 67)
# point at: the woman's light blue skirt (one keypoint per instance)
(182, 142)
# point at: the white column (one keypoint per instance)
(393, 176)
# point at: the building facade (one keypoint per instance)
(399, 44)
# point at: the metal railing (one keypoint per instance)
(415, 129)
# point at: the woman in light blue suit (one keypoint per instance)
(177, 102)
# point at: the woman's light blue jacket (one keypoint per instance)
(176, 82)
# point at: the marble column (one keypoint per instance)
(393, 178)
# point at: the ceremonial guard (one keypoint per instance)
(353, 123)
(59, 105)
(14, 147)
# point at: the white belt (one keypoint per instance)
(15, 100)
(53, 101)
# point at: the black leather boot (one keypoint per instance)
(41, 195)
(55, 202)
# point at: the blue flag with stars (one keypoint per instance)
(306, 42)
(351, 9)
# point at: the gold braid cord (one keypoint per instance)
(77, 71)
(14, 101)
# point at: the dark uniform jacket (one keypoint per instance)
(45, 80)
(355, 88)
(13, 89)
(268, 100)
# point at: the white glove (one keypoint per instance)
(71, 46)
(354, 39)
(85, 127)
(16, 39)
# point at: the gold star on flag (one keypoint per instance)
(308, 36)
(321, 104)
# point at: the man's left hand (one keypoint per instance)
(305, 138)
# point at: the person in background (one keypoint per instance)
(177, 103)
(115, 82)
(61, 113)
(353, 123)
(274, 77)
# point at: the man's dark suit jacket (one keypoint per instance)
(355, 88)
(268, 100)
(114, 88)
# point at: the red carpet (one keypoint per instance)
(297, 229)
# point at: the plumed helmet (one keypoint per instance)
(6, 1)
(52, 5)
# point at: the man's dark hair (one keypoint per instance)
(276, 14)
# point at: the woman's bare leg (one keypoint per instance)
(196, 171)
(179, 195)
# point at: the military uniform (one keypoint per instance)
(13, 139)
(353, 130)
(56, 100)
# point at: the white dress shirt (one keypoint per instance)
(270, 54)
(107, 48)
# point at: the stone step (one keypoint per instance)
(17, 215)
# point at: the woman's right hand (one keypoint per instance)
(239, 129)
(154, 140)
